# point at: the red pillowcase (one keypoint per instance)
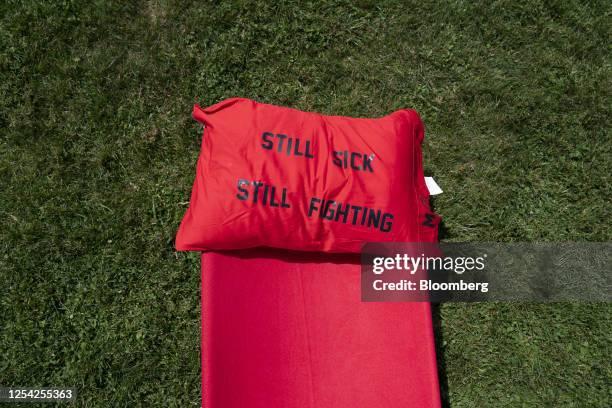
(279, 177)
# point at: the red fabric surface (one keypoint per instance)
(279, 177)
(286, 329)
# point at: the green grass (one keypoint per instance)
(97, 156)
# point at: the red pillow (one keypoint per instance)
(279, 177)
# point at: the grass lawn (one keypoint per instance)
(98, 151)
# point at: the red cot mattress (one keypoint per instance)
(286, 329)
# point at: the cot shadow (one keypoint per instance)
(436, 317)
(440, 357)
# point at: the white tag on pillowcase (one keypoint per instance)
(432, 186)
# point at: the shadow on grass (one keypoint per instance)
(439, 341)
(443, 233)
